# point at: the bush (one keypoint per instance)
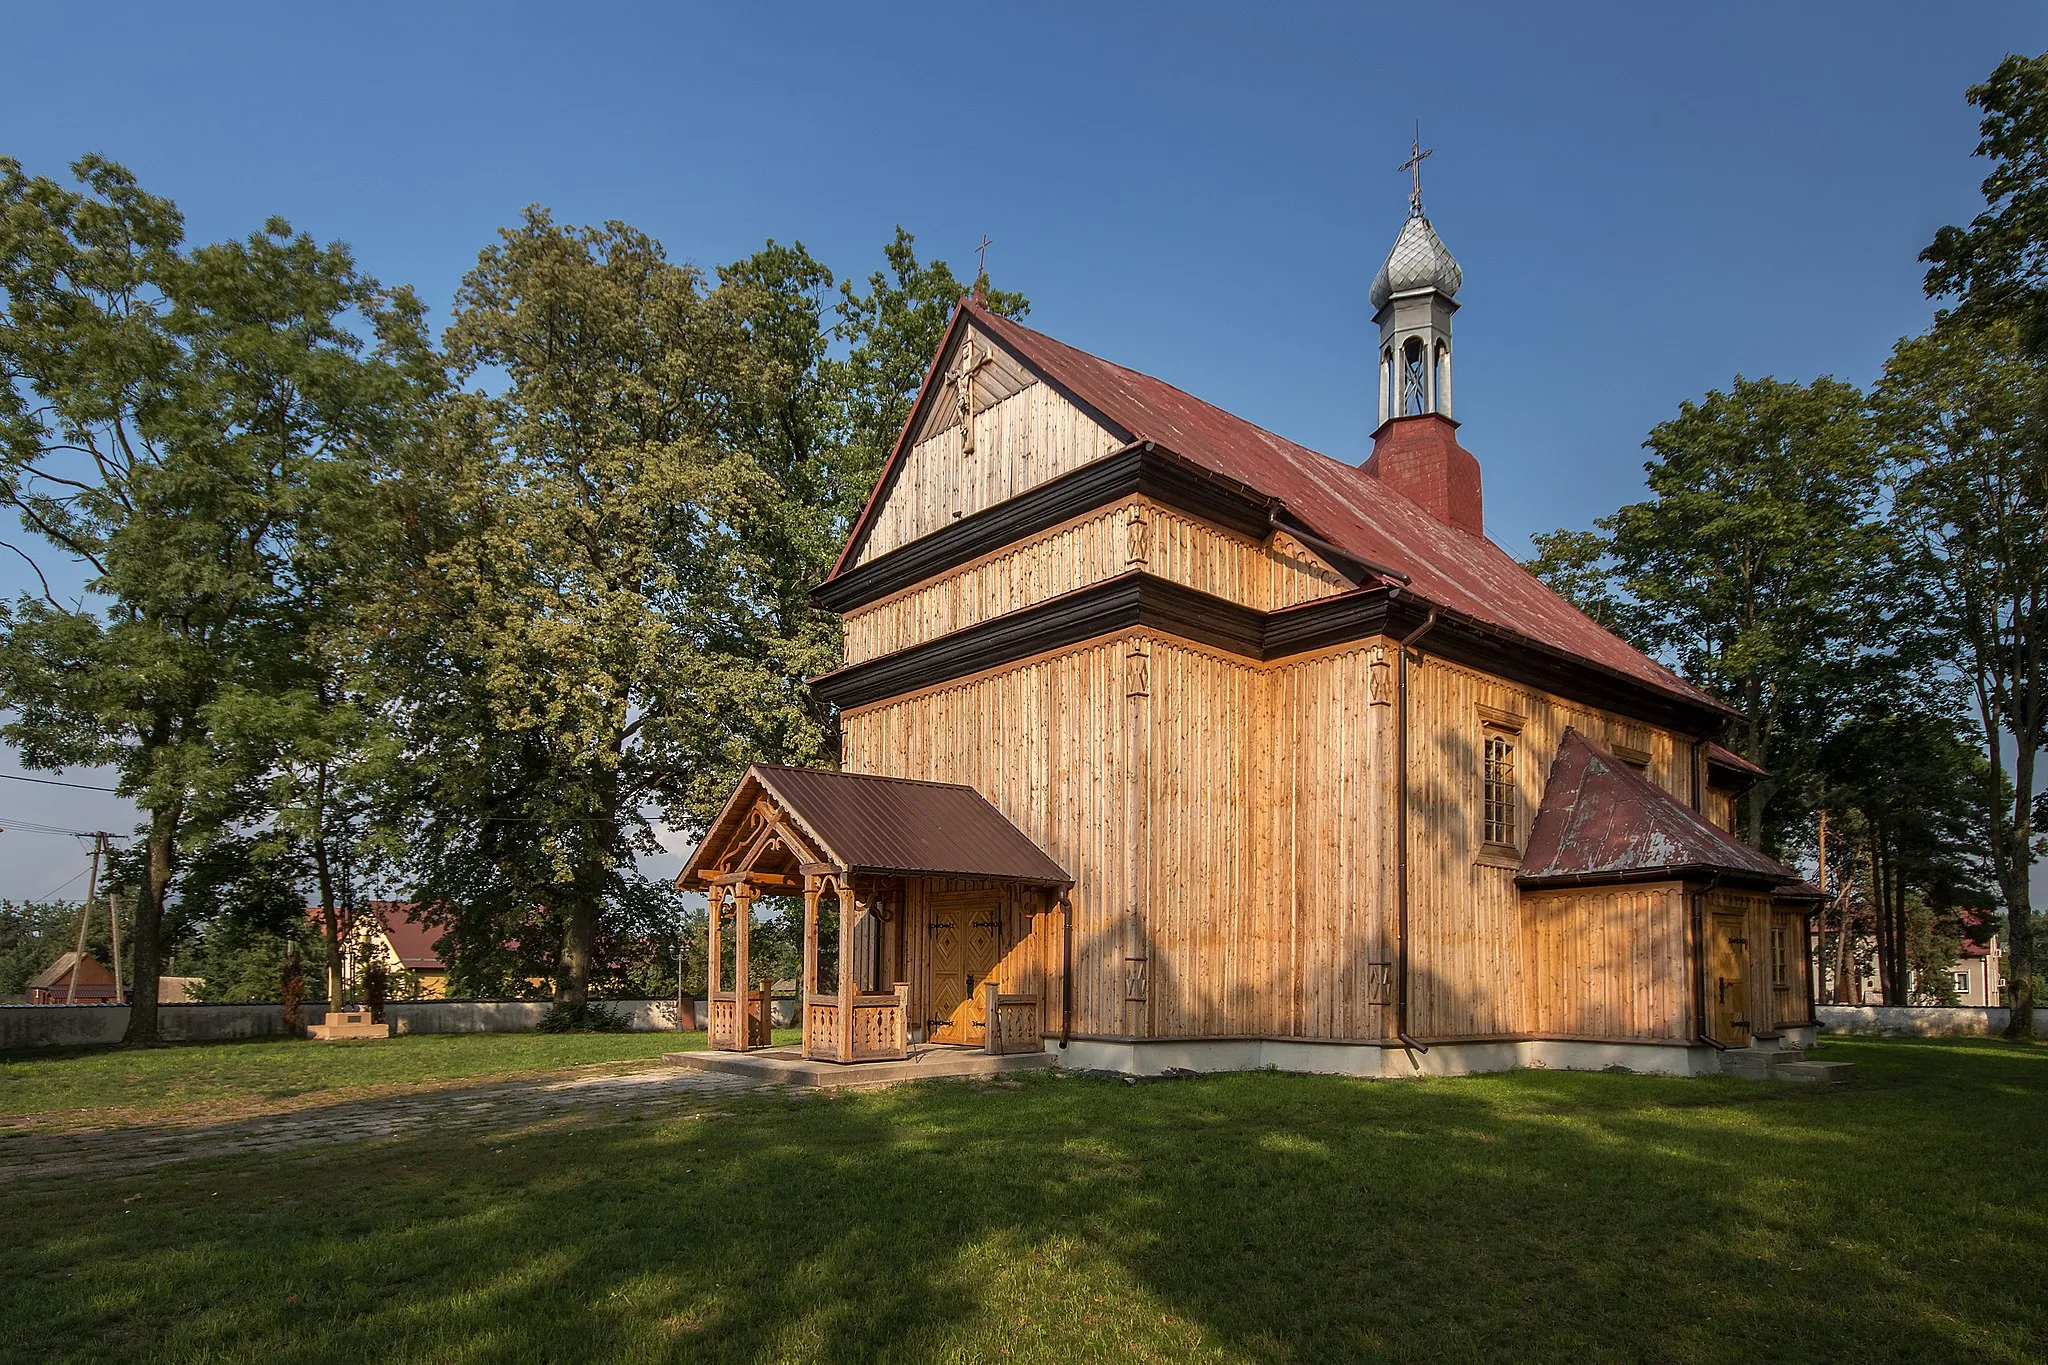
(585, 1018)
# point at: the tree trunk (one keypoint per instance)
(2015, 867)
(330, 921)
(149, 917)
(579, 946)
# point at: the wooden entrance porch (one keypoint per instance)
(929, 920)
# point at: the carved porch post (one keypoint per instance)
(847, 910)
(743, 914)
(808, 986)
(714, 902)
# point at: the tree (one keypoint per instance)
(1965, 410)
(1904, 785)
(1576, 565)
(603, 610)
(1997, 267)
(587, 628)
(164, 420)
(1746, 567)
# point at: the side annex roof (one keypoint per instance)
(1602, 821)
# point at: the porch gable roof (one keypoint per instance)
(881, 826)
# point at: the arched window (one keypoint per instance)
(1389, 404)
(1441, 381)
(1414, 378)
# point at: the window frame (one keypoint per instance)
(1497, 791)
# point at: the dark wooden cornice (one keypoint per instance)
(1139, 600)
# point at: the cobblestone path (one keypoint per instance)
(474, 1111)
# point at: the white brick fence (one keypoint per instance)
(1920, 1021)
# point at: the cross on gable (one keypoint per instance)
(971, 360)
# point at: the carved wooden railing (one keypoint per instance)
(725, 1015)
(881, 1027)
(1013, 1022)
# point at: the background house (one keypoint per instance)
(391, 934)
(53, 985)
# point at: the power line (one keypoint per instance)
(54, 890)
(12, 826)
(53, 782)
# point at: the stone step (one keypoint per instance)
(1749, 1063)
(1781, 1064)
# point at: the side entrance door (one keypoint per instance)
(966, 929)
(1728, 981)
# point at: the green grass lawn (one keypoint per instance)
(1265, 1217)
(69, 1086)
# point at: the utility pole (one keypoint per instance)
(113, 931)
(92, 885)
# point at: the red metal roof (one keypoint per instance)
(1746, 773)
(887, 825)
(1465, 573)
(417, 944)
(1601, 820)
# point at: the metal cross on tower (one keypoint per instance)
(1416, 156)
(982, 269)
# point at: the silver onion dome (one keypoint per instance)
(1419, 260)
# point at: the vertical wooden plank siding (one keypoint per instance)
(1028, 438)
(1265, 884)
(1613, 959)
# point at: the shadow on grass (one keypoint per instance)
(1254, 1216)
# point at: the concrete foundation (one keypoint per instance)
(1155, 1058)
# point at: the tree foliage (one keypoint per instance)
(169, 421)
(1748, 567)
(1965, 409)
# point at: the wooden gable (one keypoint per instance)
(965, 451)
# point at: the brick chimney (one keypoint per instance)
(1420, 458)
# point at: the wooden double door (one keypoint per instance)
(966, 931)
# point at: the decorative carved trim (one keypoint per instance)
(1138, 671)
(1379, 978)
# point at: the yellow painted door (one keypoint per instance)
(1728, 982)
(966, 945)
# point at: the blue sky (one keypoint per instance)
(1646, 199)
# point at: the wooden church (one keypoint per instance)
(1169, 743)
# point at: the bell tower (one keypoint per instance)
(1413, 298)
(1415, 446)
